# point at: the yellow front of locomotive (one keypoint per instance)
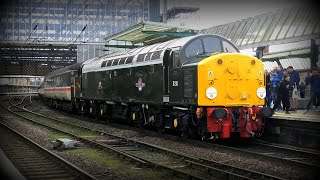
(231, 89)
(231, 79)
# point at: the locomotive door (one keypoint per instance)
(167, 64)
(175, 85)
(171, 76)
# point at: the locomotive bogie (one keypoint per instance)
(224, 121)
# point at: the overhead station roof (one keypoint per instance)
(284, 26)
(303, 53)
(147, 33)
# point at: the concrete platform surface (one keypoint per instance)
(312, 115)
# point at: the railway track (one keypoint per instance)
(33, 161)
(301, 156)
(260, 149)
(149, 155)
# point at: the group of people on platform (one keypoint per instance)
(284, 86)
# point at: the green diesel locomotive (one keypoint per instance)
(197, 85)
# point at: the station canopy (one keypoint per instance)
(284, 26)
(146, 33)
(302, 53)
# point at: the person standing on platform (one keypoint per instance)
(307, 80)
(302, 89)
(283, 94)
(275, 83)
(272, 74)
(268, 82)
(315, 89)
(294, 83)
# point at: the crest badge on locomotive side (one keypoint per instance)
(140, 84)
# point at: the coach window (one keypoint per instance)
(56, 81)
(51, 81)
(193, 49)
(60, 81)
(227, 47)
(211, 45)
(66, 79)
(72, 81)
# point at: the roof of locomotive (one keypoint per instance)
(146, 55)
(73, 67)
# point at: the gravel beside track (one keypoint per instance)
(42, 136)
(214, 153)
(33, 161)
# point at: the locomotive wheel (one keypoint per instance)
(160, 125)
(185, 134)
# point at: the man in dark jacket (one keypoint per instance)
(283, 94)
(315, 89)
(302, 88)
(268, 82)
(294, 83)
(294, 77)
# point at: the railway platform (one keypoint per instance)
(8, 170)
(300, 115)
(297, 128)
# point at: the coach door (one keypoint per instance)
(72, 84)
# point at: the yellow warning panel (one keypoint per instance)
(231, 79)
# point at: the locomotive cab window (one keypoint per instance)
(211, 45)
(227, 47)
(194, 48)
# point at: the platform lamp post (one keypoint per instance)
(314, 54)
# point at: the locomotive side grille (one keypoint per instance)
(129, 60)
(123, 60)
(140, 57)
(104, 63)
(115, 62)
(109, 63)
(156, 55)
(188, 83)
(148, 56)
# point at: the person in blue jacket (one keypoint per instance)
(275, 83)
(315, 89)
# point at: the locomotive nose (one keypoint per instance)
(231, 79)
